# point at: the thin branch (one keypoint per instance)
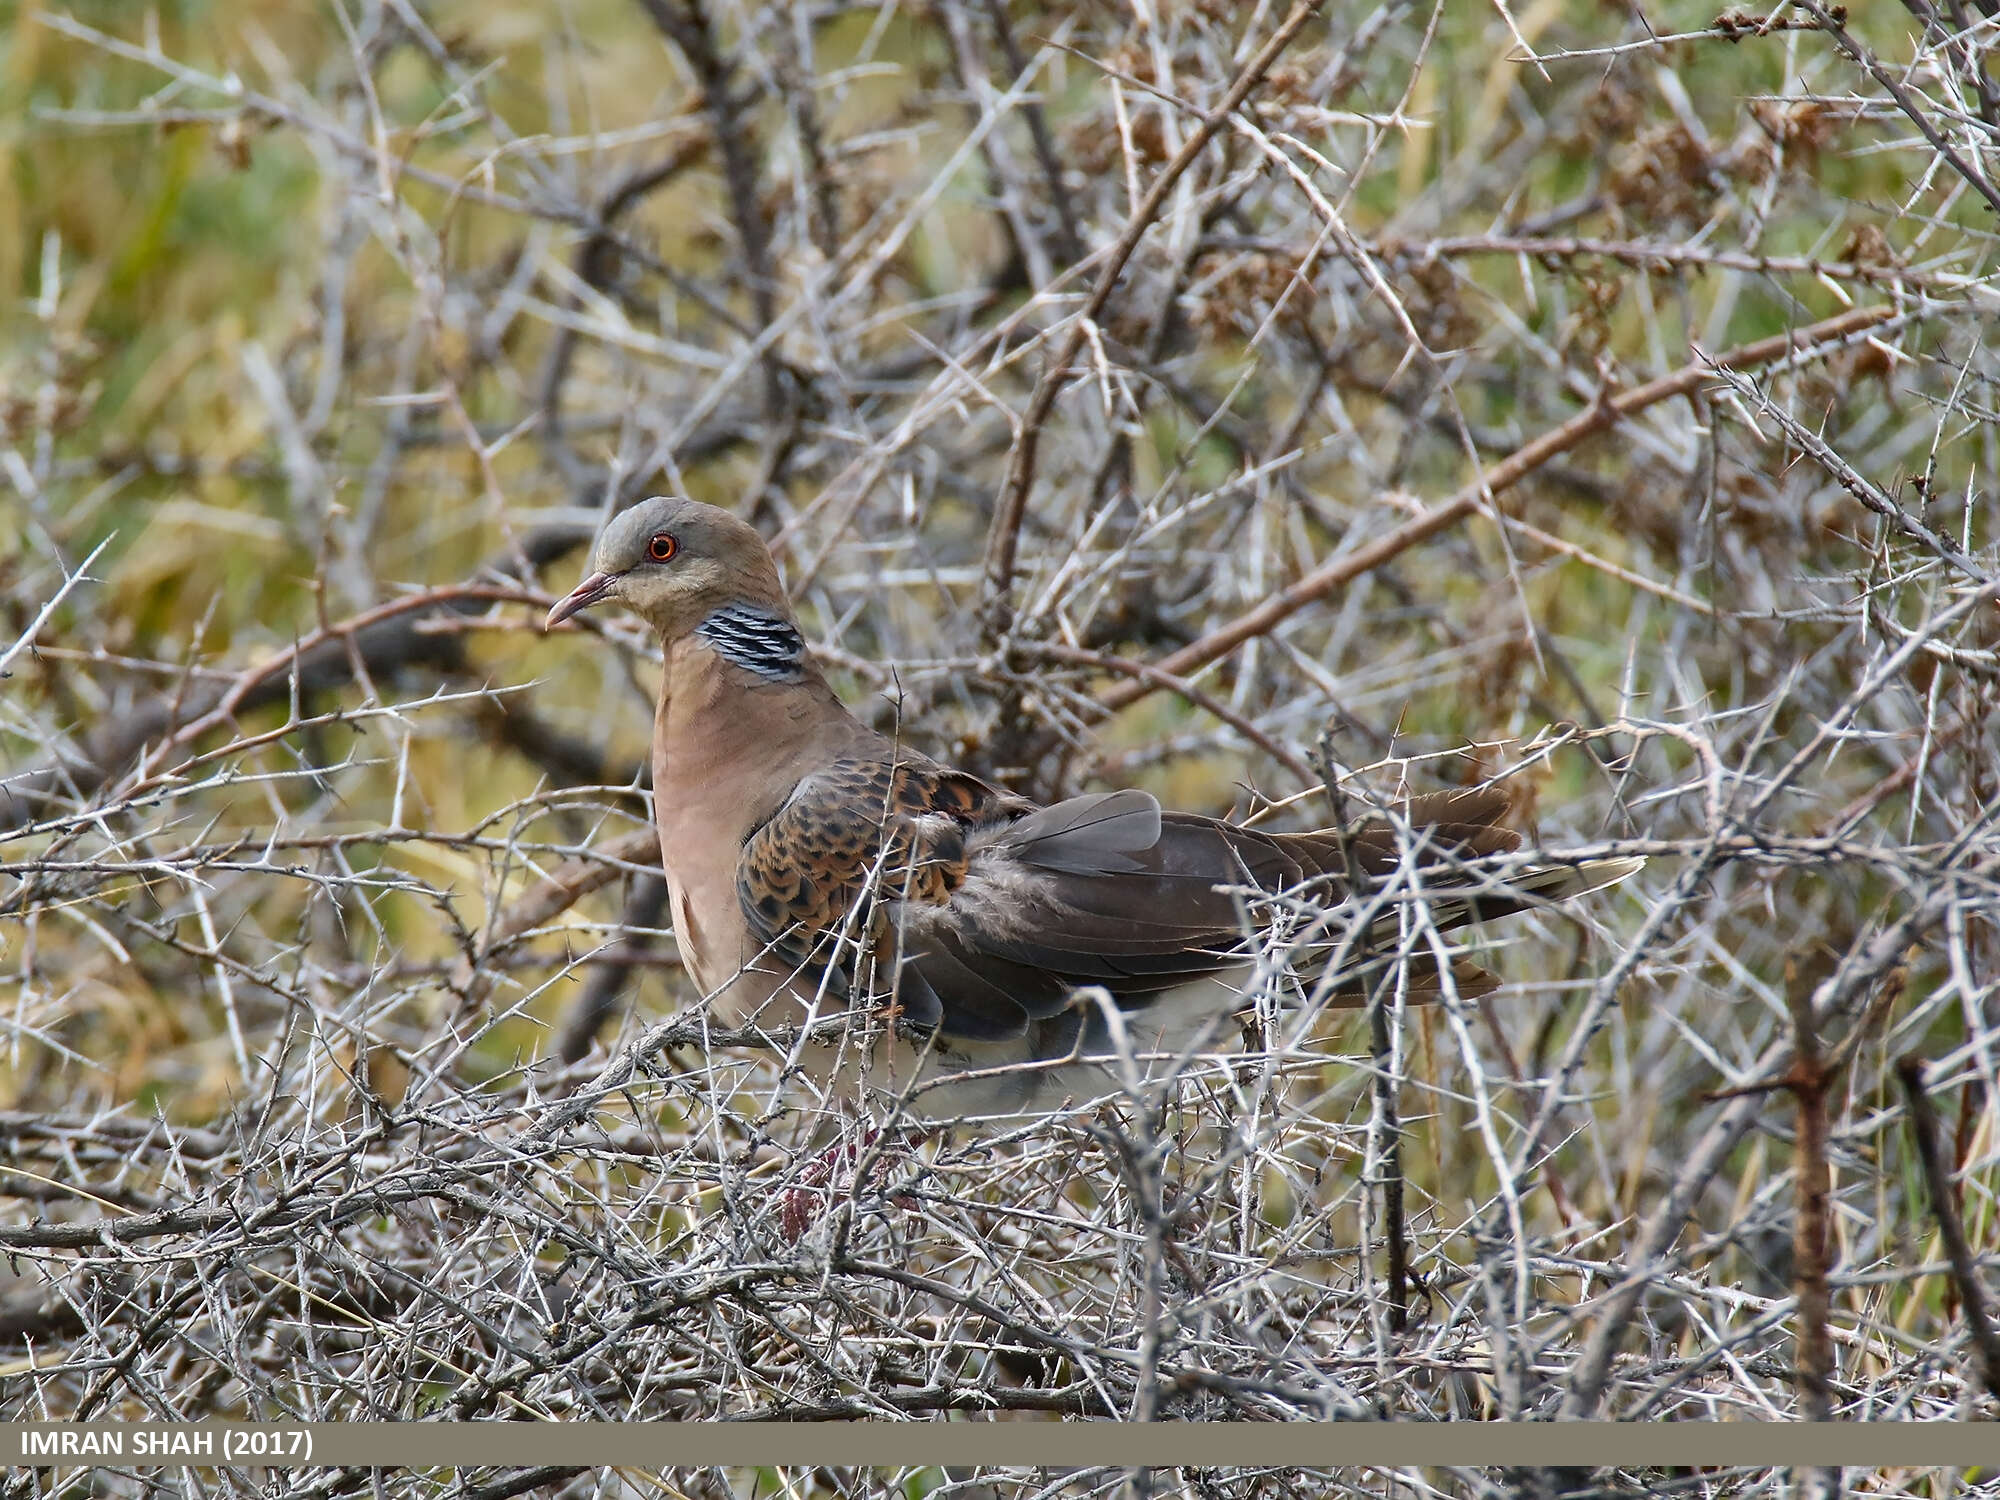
(1925, 1128)
(1814, 341)
(1003, 536)
(1905, 100)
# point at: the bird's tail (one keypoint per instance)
(1439, 862)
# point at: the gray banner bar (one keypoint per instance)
(1009, 1444)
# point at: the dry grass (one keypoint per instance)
(1620, 419)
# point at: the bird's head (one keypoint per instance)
(674, 562)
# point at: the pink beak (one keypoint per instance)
(595, 588)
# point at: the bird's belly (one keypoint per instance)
(1199, 1014)
(739, 985)
(1036, 1074)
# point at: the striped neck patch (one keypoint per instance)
(767, 645)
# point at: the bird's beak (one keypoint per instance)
(595, 589)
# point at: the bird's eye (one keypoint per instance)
(662, 547)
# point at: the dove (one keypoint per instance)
(1004, 956)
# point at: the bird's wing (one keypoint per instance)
(982, 917)
(864, 834)
(1110, 891)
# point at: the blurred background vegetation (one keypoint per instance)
(310, 309)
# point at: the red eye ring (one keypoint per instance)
(662, 547)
